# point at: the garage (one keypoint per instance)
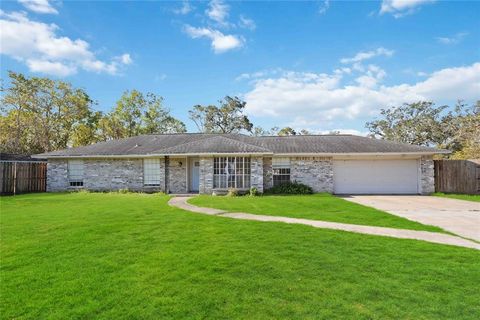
(375, 176)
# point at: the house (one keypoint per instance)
(206, 163)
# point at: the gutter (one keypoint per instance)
(182, 155)
(136, 156)
(424, 153)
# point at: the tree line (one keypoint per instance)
(40, 115)
(423, 123)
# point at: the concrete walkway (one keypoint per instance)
(181, 202)
(457, 216)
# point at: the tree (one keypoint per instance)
(276, 131)
(287, 131)
(463, 126)
(259, 131)
(422, 123)
(87, 130)
(40, 114)
(137, 113)
(228, 118)
(415, 123)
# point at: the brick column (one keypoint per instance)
(427, 180)
(256, 175)
(206, 176)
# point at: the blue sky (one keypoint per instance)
(318, 65)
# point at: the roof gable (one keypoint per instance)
(215, 144)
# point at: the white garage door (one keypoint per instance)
(375, 176)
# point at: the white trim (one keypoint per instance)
(419, 175)
(137, 156)
(379, 157)
(359, 154)
(187, 173)
(187, 183)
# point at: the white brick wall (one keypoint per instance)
(57, 175)
(177, 175)
(206, 176)
(314, 172)
(427, 182)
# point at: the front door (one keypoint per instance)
(194, 165)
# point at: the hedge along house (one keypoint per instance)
(207, 163)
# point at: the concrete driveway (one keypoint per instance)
(457, 216)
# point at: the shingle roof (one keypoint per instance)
(217, 144)
(18, 157)
(195, 143)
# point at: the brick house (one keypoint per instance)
(204, 163)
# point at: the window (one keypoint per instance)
(231, 172)
(151, 172)
(281, 170)
(75, 173)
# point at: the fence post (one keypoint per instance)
(14, 178)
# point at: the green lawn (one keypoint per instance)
(468, 197)
(317, 207)
(131, 256)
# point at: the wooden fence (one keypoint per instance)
(457, 176)
(22, 177)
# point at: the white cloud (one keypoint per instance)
(247, 23)
(220, 42)
(186, 8)
(125, 59)
(218, 11)
(324, 7)
(401, 8)
(372, 76)
(365, 55)
(217, 15)
(54, 68)
(39, 6)
(259, 74)
(453, 39)
(323, 98)
(38, 45)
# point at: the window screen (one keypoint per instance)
(151, 172)
(281, 170)
(75, 173)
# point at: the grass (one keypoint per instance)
(130, 256)
(468, 197)
(316, 207)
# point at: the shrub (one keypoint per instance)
(291, 188)
(254, 192)
(232, 192)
